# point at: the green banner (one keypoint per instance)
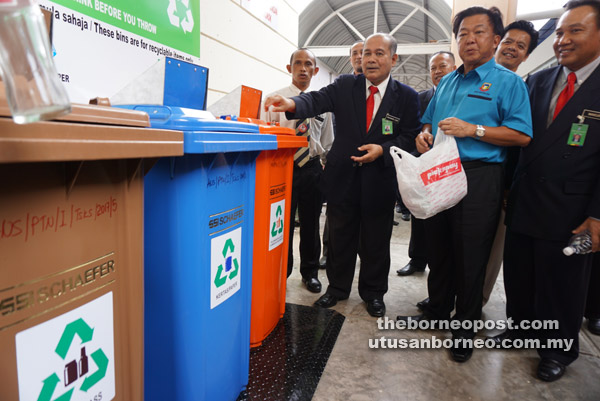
(173, 23)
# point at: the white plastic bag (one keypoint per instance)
(433, 182)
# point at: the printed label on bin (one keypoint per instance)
(225, 266)
(276, 225)
(70, 357)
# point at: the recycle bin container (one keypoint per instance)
(71, 253)
(273, 199)
(199, 212)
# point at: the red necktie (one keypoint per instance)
(371, 104)
(566, 94)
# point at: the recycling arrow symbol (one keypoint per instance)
(80, 328)
(279, 221)
(186, 23)
(49, 386)
(102, 361)
(230, 263)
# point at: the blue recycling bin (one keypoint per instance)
(199, 215)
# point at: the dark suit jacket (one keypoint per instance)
(346, 98)
(424, 98)
(557, 186)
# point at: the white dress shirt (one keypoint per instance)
(378, 96)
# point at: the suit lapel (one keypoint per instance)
(430, 93)
(386, 104)
(545, 94)
(360, 102)
(567, 116)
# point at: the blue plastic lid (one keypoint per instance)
(203, 133)
(182, 119)
(196, 142)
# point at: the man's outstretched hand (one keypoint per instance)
(278, 103)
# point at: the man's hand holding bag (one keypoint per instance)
(433, 182)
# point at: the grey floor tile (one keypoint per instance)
(355, 372)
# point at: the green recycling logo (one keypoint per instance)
(180, 17)
(276, 224)
(277, 227)
(70, 357)
(232, 266)
(225, 266)
(75, 369)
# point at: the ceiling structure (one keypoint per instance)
(421, 27)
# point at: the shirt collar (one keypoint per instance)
(381, 87)
(583, 73)
(482, 70)
(295, 90)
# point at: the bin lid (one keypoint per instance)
(87, 133)
(84, 113)
(267, 128)
(183, 119)
(286, 137)
(203, 133)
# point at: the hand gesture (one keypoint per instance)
(278, 103)
(423, 141)
(373, 152)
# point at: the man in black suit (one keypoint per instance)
(440, 64)
(356, 61)
(556, 192)
(373, 112)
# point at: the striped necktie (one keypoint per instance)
(302, 155)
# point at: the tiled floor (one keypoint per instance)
(355, 372)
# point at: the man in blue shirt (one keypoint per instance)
(486, 108)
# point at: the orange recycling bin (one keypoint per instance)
(273, 198)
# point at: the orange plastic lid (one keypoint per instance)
(267, 128)
(286, 137)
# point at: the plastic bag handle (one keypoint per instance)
(440, 137)
(394, 150)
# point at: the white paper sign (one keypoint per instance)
(70, 354)
(98, 58)
(277, 224)
(225, 266)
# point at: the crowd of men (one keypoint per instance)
(537, 141)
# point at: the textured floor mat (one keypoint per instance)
(289, 363)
